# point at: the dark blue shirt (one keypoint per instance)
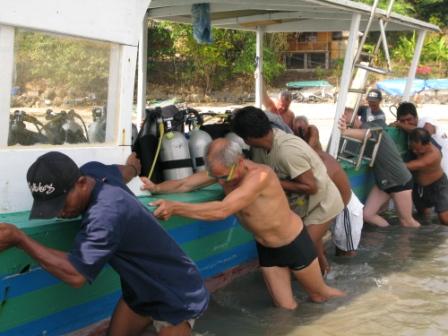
(157, 278)
(367, 115)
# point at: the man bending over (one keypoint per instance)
(255, 195)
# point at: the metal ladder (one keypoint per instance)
(363, 64)
(356, 151)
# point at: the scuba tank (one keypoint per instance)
(74, 133)
(53, 127)
(19, 134)
(97, 129)
(235, 138)
(62, 128)
(174, 154)
(146, 144)
(149, 141)
(198, 141)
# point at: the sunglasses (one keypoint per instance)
(227, 177)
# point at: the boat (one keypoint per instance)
(32, 302)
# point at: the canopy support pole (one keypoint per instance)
(142, 71)
(345, 82)
(6, 79)
(259, 67)
(414, 64)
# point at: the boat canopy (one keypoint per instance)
(284, 15)
(120, 21)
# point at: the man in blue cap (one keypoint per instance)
(160, 284)
(373, 111)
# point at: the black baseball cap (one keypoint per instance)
(374, 95)
(50, 178)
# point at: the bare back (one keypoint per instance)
(268, 217)
(337, 175)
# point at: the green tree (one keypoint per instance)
(80, 66)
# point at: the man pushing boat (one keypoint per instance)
(253, 192)
(160, 284)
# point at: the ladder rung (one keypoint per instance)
(347, 160)
(372, 69)
(362, 91)
(367, 54)
(350, 153)
(351, 139)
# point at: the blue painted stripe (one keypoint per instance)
(200, 229)
(75, 318)
(19, 284)
(70, 319)
(38, 278)
(221, 262)
(359, 180)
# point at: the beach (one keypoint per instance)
(322, 115)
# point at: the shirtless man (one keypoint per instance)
(280, 106)
(303, 176)
(255, 195)
(408, 120)
(307, 132)
(431, 187)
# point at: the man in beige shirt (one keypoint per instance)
(255, 196)
(312, 194)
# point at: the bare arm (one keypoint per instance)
(304, 184)
(430, 128)
(131, 169)
(423, 161)
(405, 127)
(267, 101)
(314, 137)
(193, 182)
(351, 132)
(54, 261)
(236, 200)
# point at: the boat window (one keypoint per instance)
(59, 90)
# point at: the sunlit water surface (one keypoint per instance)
(396, 285)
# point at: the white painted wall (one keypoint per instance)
(14, 163)
(108, 20)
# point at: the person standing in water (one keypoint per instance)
(431, 184)
(254, 194)
(303, 176)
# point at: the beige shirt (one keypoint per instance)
(290, 157)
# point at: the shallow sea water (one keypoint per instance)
(396, 285)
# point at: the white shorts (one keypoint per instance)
(347, 226)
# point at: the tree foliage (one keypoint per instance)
(230, 55)
(80, 66)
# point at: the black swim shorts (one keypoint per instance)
(296, 255)
(407, 186)
(434, 195)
